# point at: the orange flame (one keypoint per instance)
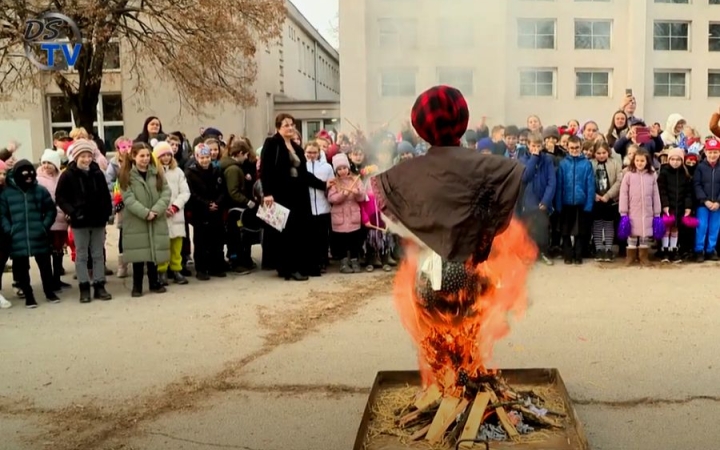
(461, 335)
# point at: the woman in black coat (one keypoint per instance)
(285, 180)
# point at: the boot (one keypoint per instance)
(57, 269)
(30, 302)
(85, 293)
(122, 271)
(157, 288)
(163, 279)
(355, 265)
(100, 292)
(631, 255)
(644, 256)
(345, 266)
(178, 278)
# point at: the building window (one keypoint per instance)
(715, 2)
(397, 83)
(592, 84)
(108, 127)
(456, 34)
(536, 33)
(537, 83)
(670, 84)
(461, 79)
(398, 33)
(714, 83)
(671, 36)
(593, 34)
(714, 36)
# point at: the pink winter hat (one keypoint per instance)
(340, 160)
(678, 152)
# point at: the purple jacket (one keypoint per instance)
(640, 201)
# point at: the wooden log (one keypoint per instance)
(504, 419)
(429, 396)
(544, 420)
(419, 434)
(405, 420)
(474, 421)
(444, 417)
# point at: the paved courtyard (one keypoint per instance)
(256, 363)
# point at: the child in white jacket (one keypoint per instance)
(320, 228)
(175, 177)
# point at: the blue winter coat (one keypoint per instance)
(706, 182)
(575, 183)
(654, 146)
(539, 181)
(26, 216)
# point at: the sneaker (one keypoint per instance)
(547, 261)
(4, 303)
(609, 256)
(242, 270)
(52, 298)
(578, 261)
(218, 274)
(387, 268)
(355, 265)
(20, 293)
(700, 257)
(600, 256)
(675, 256)
(568, 261)
(665, 256)
(158, 289)
(186, 272)
(369, 268)
(178, 278)
(30, 302)
(713, 256)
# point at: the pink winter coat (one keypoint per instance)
(50, 183)
(640, 201)
(345, 209)
(370, 212)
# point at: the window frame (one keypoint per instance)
(467, 70)
(670, 36)
(400, 92)
(592, 36)
(535, 35)
(537, 71)
(592, 84)
(100, 123)
(686, 84)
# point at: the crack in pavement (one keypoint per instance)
(205, 444)
(93, 426)
(645, 401)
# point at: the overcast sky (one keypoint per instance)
(321, 13)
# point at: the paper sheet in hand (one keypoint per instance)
(276, 215)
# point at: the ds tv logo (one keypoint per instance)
(57, 35)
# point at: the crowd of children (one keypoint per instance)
(584, 194)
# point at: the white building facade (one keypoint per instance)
(558, 59)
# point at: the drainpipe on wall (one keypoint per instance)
(315, 63)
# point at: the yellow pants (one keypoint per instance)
(175, 263)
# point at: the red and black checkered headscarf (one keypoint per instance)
(440, 116)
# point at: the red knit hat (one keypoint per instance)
(440, 116)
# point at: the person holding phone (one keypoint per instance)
(640, 135)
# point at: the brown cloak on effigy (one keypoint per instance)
(453, 199)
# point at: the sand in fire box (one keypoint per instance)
(465, 271)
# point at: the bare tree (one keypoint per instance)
(205, 48)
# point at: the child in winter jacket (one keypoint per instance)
(675, 185)
(539, 183)
(345, 197)
(207, 197)
(574, 200)
(122, 149)
(48, 177)
(85, 201)
(4, 238)
(640, 202)
(378, 243)
(27, 212)
(706, 182)
(241, 217)
(608, 177)
(320, 207)
(146, 237)
(179, 196)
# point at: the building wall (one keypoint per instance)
(26, 117)
(482, 38)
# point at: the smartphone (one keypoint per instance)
(643, 135)
(628, 92)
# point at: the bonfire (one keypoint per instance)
(462, 400)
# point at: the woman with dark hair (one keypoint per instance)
(285, 180)
(152, 129)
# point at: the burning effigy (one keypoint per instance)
(464, 273)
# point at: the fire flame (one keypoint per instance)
(459, 337)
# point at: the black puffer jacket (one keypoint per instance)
(83, 196)
(676, 191)
(206, 186)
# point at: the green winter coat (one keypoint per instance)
(145, 241)
(26, 218)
